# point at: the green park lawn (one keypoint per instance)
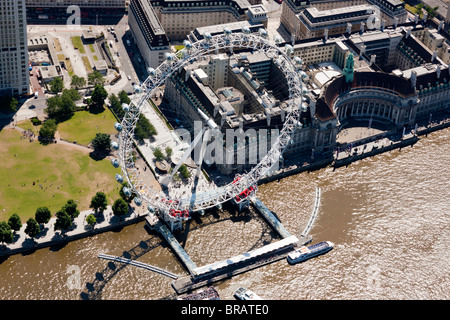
(78, 44)
(83, 126)
(27, 125)
(59, 173)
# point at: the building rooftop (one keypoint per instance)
(315, 15)
(257, 57)
(49, 72)
(257, 9)
(240, 3)
(368, 79)
(100, 65)
(394, 3)
(232, 26)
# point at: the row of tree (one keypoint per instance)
(144, 129)
(432, 11)
(64, 217)
(93, 79)
(9, 104)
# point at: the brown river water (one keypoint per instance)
(388, 216)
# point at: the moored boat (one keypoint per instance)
(304, 253)
(245, 294)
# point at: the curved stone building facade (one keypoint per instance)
(372, 95)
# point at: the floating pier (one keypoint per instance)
(235, 265)
(205, 275)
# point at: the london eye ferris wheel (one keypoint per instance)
(177, 209)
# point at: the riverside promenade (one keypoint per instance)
(48, 237)
(371, 147)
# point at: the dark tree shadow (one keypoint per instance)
(98, 156)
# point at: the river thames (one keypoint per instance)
(388, 217)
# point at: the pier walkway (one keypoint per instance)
(138, 264)
(205, 275)
(313, 217)
(268, 215)
(155, 224)
(235, 265)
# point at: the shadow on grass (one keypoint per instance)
(46, 141)
(98, 156)
(96, 110)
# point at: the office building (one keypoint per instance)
(180, 17)
(147, 32)
(80, 3)
(293, 15)
(14, 77)
(315, 23)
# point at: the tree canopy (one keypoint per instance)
(144, 128)
(120, 207)
(14, 222)
(101, 143)
(6, 235)
(95, 78)
(43, 215)
(62, 107)
(91, 220)
(8, 104)
(71, 209)
(158, 154)
(124, 98)
(169, 152)
(98, 98)
(99, 202)
(32, 229)
(63, 220)
(78, 82)
(48, 130)
(57, 85)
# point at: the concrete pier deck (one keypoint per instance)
(177, 248)
(267, 214)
